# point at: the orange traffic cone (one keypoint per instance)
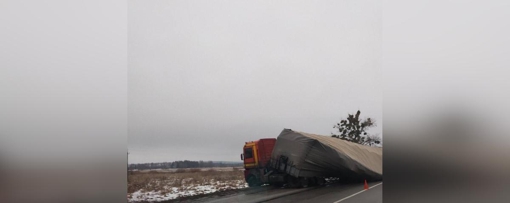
(366, 185)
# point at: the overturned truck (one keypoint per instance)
(300, 159)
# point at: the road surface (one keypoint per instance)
(335, 193)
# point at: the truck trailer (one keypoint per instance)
(299, 159)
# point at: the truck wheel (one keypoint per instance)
(252, 181)
(321, 181)
(304, 182)
(277, 184)
(292, 182)
(313, 181)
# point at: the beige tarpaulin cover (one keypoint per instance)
(308, 155)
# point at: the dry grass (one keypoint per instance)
(163, 181)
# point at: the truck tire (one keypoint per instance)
(292, 182)
(321, 181)
(252, 181)
(313, 181)
(277, 185)
(304, 182)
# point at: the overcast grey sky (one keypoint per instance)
(206, 76)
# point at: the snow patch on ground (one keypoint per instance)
(185, 190)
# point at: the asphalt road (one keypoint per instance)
(335, 193)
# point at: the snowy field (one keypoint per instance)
(161, 185)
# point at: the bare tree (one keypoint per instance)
(372, 140)
(353, 129)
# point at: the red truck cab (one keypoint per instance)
(256, 155)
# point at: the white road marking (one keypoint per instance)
(356, 194)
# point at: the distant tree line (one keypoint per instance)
(183, 164)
